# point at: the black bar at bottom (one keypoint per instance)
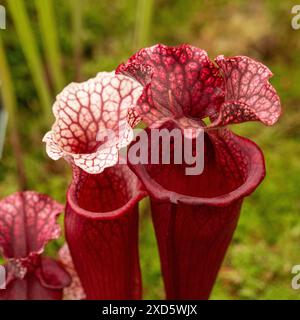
(94, 310)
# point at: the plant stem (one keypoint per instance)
(77, 35)
(9, 101)
(49, 37)
(143, 23)
(29, 47)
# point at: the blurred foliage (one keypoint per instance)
(100, 35)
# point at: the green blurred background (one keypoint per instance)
(49, 43)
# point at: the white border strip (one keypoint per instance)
(3, 126)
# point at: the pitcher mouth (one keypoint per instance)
(250, 177)
(77, 200)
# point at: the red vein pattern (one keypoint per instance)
(249, 95)
(101, 226)
(75, 290)
(192, 243)
(195, 216)
(84, 113)
(178, 82)
(27, 224)
(181, 82)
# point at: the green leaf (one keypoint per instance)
(143, 23)
(49, 37)
(29, 47)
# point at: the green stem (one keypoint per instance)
(77, 35)
(50, 42)
(28, 43)
(143, 23)
(9, 101)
